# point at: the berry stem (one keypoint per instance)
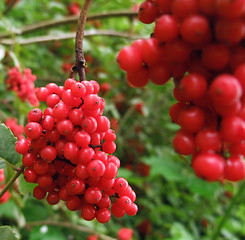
(68, 225)
(80, 60)
(9, 7)
(12, 180)
(228, 211)
(67, 20)
(11, 165)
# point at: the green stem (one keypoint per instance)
(11, 181)
(11, 165)
(228, 211)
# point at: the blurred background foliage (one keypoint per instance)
(173, 203)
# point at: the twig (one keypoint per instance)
(126, 116)
(11, 165)
(80, 60)
(66, 20)
(228, 211)
(9, 7)
(11, 181)
(70, 226)
(66, 36)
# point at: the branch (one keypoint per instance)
(8, 163)
(67, 20)
(11, 181)
(80, 60)
(9, 7)
(228, 211)
(70, 226)
(66, 36)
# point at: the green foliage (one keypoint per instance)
(7, 146)
(7, 233)
(173, 203)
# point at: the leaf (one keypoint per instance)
(169, 169)
(2, 163)
(47, 233)
(35, 211)
(203, 188)
(7, 145)
(7, 233)
(25, 187)
(178, 231)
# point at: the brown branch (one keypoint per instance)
(66, 36)
(69, 225)
(9, 6)
(67, 20)
(80, 60)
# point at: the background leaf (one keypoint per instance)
(7, 233)
(7, 145)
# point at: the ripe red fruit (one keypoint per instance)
(184, 143)
(195, 29)
(138, 78)
(148, 12)
(234, 168)
(225, 89)
(130, 59)
(209, 166)
(166, 28)
(208, 139)
(215, 56)
(22, 146)
(191, 119)
(33, 130)
(125, 234)
(103, 215)
(184, 8)
(193, 86)
(232, 129)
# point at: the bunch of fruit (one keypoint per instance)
(68, 153)
(199, 44)
(23, 84)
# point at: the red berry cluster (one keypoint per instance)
(23, 85)
(68, 153)
(6, 195)
(16, 129)
(125, 234)
(203, 38)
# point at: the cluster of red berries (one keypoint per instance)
(125, 234)
(204, 39)
(23, 85)
(6, 195)
(68, 153)
(17, 129)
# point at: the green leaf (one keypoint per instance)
(2, 163)
(35, 211)
(7, 145)
(203, 188)
(7, 233)
(47, 233)
(178, 231)
(25, 187)
(169, 169)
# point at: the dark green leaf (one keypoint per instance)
(7, 145)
